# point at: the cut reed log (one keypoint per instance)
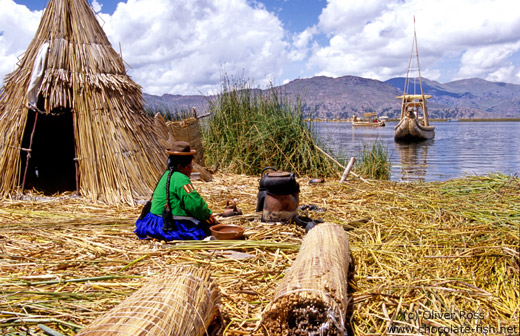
(312, 298)
(339, 164)
(183, 301)
(347, 170)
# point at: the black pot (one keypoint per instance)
(276, 183)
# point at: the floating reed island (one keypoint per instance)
(428, 256)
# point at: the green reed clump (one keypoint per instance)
(374, 162)
(249, 130)
(169, 114)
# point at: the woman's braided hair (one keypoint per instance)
(173, 162)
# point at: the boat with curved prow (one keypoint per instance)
(411, 127)
(413, 123)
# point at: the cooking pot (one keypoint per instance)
(278, 195)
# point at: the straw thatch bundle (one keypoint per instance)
(186, 130)
(183, 301)
(86, 122)
(312, 297)
(189, 130)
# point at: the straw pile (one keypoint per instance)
(422, 252)
(182, 301)
(312, 297)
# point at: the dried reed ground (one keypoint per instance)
(427, 255)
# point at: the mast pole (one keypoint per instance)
(405, 90)
(425, 112)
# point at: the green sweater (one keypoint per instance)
(184, 199)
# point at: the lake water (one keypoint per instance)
(459, 148)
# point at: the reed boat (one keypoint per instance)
(370, 120)
(411, 126)
(413, 123)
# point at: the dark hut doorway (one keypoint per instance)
(51, 167)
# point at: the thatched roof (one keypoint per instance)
(117, 154)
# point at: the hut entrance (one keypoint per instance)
(50, 167)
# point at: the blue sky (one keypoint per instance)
(184, 47)
(295, 15)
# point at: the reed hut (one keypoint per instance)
(183, 301)
(71, 119)
(312, 298)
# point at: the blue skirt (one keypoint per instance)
(151, 226)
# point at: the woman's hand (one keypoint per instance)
(211, 221)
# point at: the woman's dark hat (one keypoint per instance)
(179, 148)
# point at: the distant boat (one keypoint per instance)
(370, 120)
(413, 124)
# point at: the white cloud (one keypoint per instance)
(17, 28)
(184, 47)
(300, 44)
(174, 46)
(373, 38)
(506, 74)
(490, 62)
(96, 6)
(349, 17)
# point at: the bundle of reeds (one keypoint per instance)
(175, 131)
(189, 130)
(182, 301)
(313, 296)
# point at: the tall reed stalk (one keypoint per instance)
(250, 129)
(374, 162)
(168, 114)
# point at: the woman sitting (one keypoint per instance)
(180, 213)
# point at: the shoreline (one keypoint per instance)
(432, 120)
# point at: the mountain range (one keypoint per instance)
(342, 97)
